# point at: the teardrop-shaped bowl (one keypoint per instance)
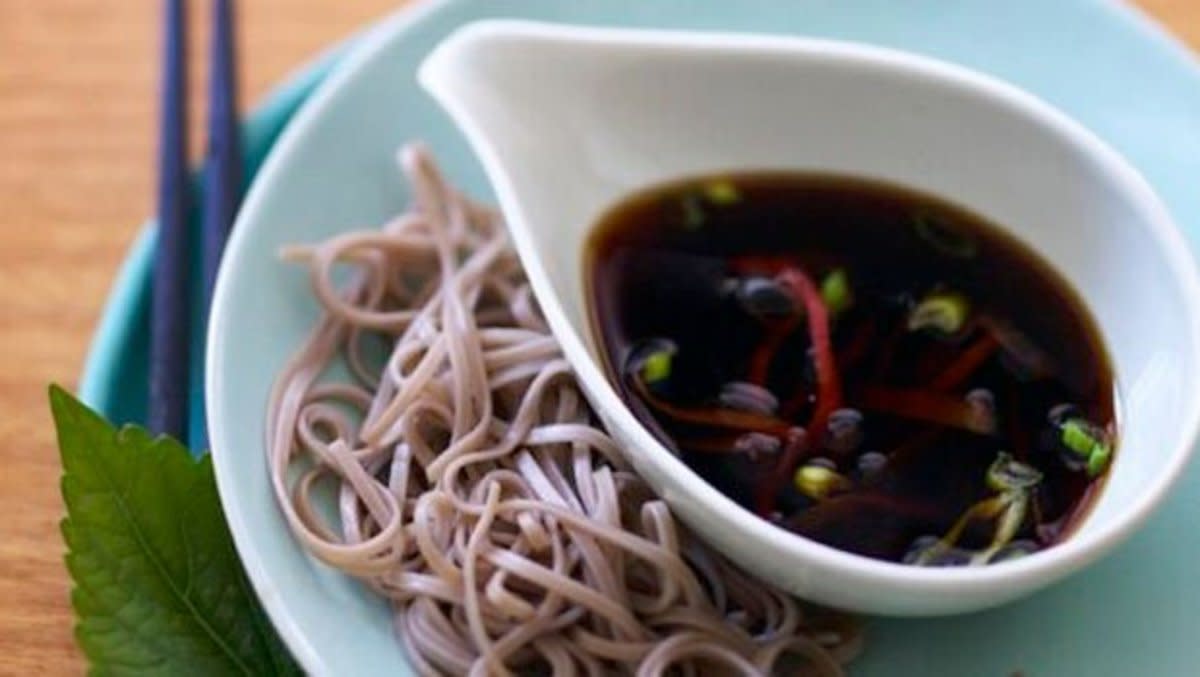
(567, 120)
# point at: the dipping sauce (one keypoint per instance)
(866, 365)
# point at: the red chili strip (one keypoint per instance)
(829, 388)
(858, 347)
(796, 445)
(966, 364)
(760, 361)
(718, 417)
(887, 352)
(761, 264)
(920, 405)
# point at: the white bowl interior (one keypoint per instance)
(568, 124)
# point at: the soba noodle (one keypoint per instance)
(471, 486)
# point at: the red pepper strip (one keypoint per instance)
(921, 405)
(847, 359)
(765, 264)
(887, 353)
(857, 349)
(761, 264)
(795, 403)
(760, 361)
(966, 364)
(829, 388)
(796, 445)
(717, 417)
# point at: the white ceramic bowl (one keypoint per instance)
(568, 120)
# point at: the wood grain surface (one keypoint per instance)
(77, 115)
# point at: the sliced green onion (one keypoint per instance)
(1099, 459)
(1089, 442)
(835, 291)
(944, 312)
(1076, 437)
(722, 192)
(818, 481)
(657, 367)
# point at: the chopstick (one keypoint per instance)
(224, 170)
(169, 310)
(222, 184)
(175, 298)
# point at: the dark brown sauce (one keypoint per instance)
(960, 343)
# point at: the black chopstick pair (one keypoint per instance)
(175, 293)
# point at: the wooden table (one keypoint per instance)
(77, 111)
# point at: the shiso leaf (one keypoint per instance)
(158, 585)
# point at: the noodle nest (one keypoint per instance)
(430, 440)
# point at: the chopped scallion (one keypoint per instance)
(818, 481)
(1088, 442)
(835, 291)
(657, 367)
(1076, 437)
(1098, 460)
(722, 192)
(944, 312)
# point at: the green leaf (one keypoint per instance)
(158, 585)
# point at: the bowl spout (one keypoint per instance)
(518, 91)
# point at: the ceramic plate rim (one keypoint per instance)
(392, 27)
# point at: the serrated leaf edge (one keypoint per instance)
(67, 410)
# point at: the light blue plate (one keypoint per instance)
(1133, 614)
